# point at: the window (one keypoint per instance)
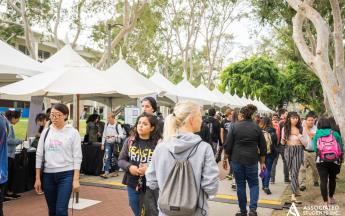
(23, 49)
(43, 54)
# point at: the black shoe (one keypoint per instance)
(14, 196)
(267, 191)
(240, 214)
(253, 213)
(316, 184)
(302, 188)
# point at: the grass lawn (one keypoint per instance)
(21, 127)
(312, 196)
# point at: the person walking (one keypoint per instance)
(179, 142)
(280, 149)
(92, 129)
(294, 140)
(327, 169)
(113, 136)
(134, 158)
(215, 135)
(245, 146)
(271, 143)
(3, 159)
(309, 130)
(59, 157)
(12, 117)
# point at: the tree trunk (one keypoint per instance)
(332, 80)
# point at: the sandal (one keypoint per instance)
(104, 175)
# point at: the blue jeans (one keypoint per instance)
(134, 202)
(109, 160)
(268, 162)
(57, 189)
(242, 174)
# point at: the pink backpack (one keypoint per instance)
(328, 148)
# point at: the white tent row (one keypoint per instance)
(67, 73)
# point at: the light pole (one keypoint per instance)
(109, 27)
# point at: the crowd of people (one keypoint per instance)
(170, 165)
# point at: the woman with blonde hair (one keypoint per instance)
(180, 143)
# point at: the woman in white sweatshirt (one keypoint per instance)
(58, 157)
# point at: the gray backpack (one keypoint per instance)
(179, 196)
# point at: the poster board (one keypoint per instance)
(131, 115)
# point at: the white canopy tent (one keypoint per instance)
(208, 95)
(233, 101)
(220, 97)
(15, 62)
(171, 91)
(128, 81)
(189, 92)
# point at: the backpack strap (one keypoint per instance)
(194, 149)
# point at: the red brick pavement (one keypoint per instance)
(114, 203)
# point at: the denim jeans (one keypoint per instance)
(110, 160)
(134, 202)
(268, 162)
(242, 174)
(57, 189)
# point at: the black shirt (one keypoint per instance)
(214, 128)
(243, 142)
(226, 124)
(135, 152)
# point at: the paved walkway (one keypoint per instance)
(115, 201)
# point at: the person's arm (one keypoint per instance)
(150, 174)
(39, 160)
(229, 143)
(124, 158)
(77, 159)
(263, 150)
(11, 139)
(283, 139)
(210, 173)
(222, 134)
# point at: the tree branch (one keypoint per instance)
(57, 22)
(80, 5)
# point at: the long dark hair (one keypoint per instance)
(334, 125)
(287, 124)
(324, 123)
(265, 123)
(12, 114)
(155, 135)
(234, 118)
(92, 118)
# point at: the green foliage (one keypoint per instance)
(256, 76)
(304, 86)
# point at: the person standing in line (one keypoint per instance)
(241, 145)
(113, 136)
(327, 170)
(266, 125)
(280, 151)
(214, 127)
(3, 159)
(179, 140)
(92, 128)
(134, 158)
(12, 117)
(294, 140)
(59, 155)
(149, 105)
(309, 130)
(234, 119)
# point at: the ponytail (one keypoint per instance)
(174, 121)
